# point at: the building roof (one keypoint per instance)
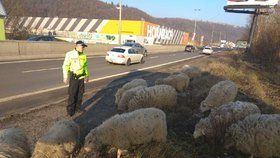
(2, 10)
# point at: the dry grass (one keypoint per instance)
(252, 81)
(265, 47)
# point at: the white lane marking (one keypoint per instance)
(93, 80)
(154, 57)
(39, 70)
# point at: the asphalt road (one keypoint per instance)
(22, 78)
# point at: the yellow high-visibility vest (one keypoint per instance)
(75, 62)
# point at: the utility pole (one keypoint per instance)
(253, 28)
(212, 35)
(220, 38)
(120, 22)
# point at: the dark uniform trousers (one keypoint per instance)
(76, 90)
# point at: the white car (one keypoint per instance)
(207, 50)
(124, 55)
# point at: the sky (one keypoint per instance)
(210, 10)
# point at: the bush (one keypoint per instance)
(265, 47)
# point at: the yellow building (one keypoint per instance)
(105, 30)
(2, 26)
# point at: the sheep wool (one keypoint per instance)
(258, 135)
(129, 129)
(60, 141)
(132, 84)
(192, 72)
(221, 93)
(14, 144)
(222, 117)
(159, 96)
(179, 81)
(127, 96)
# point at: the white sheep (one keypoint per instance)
(132, 84)
(129, 129)
(191, 71)
(221, 118)
(179, 81)
(221, 93)
(258, 135)
(13, 144)
(60, 141)
(159, 96)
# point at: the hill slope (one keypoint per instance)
(100, 10)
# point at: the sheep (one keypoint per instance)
(129, 129)
(221, 93)
(14, 143)
(159, 96)
(60, 141)
(221, 118)
(132, 84)
(179, 81)
(192, 72)
(258, 135)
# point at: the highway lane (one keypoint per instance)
(24, 77)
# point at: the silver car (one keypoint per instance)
(138, 47)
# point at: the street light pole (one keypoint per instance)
(195, 25)
(120, 22)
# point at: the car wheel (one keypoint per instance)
(128, 62)
(142, 61)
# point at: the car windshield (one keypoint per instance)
(189, 46)
(118, 50)
(128, 44)
(207, 48)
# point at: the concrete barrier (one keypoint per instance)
(19, 50)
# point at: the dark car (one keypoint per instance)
(189, 48)
(138, 47)
(42, 38)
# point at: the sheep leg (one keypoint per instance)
(119, 153)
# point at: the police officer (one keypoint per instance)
(75, 72)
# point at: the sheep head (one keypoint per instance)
(92, 142)
(204, 106)
(202, 128)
